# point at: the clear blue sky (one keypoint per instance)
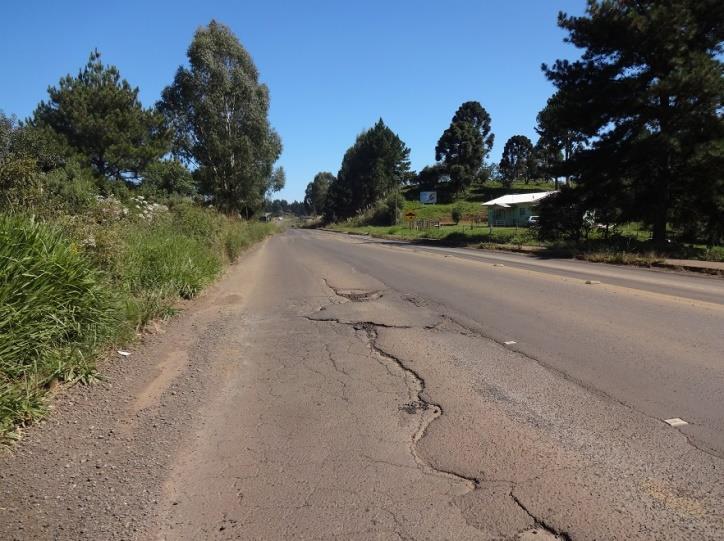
(333, 67)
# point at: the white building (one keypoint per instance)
(514, 209)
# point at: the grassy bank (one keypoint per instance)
(73, 285)
(627, 249)
(628, 243)
(453, 235)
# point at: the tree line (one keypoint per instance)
(635, 127)
(376, 166)
(208, 136)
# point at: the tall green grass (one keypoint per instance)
(56, 310)
(64, 298)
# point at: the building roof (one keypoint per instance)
(516, 199)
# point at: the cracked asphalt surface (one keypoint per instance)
(340, 388)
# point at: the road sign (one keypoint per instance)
(428, 197)
(410, 215)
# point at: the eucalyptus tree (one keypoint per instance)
(517, 161)
(218, 111)
(315, 195)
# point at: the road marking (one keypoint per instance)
(592, 282)
(510, 342)
(675, 421)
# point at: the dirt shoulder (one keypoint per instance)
(94, 468)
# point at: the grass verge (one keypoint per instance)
(622, 250)
(451, 235)
(71, 288)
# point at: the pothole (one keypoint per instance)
(358, 295)
(354, 295)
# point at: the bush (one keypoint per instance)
(456, 214)
(70, 189)
(56, 310)
(561, 215)
(387, 211)
(198, 222)
(168, 177)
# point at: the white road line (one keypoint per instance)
(510, 342)
(675, 421)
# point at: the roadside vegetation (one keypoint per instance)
(109, 215)
(627, 244)
(637, 176)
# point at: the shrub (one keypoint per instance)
(168, 177)
(456, 214)
(197, 222)
(387, 211)
(68, 189)
(561, 215)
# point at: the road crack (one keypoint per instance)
(341, 322)
(419, 403)
(436, 411)
(540, 523)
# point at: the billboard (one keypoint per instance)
(428, 197)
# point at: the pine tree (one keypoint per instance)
(463, 146)
(100, 116)
(547, 156)
(377, 164)
(647, 93)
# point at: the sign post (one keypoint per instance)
(410, 217)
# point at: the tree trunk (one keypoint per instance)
(659, 230)
(660, 218)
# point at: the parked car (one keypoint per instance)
(533, 220)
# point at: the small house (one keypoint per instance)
(514, 209)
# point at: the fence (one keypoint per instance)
(423, 224)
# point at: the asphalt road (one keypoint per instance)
(653, 340)
(338, 387)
